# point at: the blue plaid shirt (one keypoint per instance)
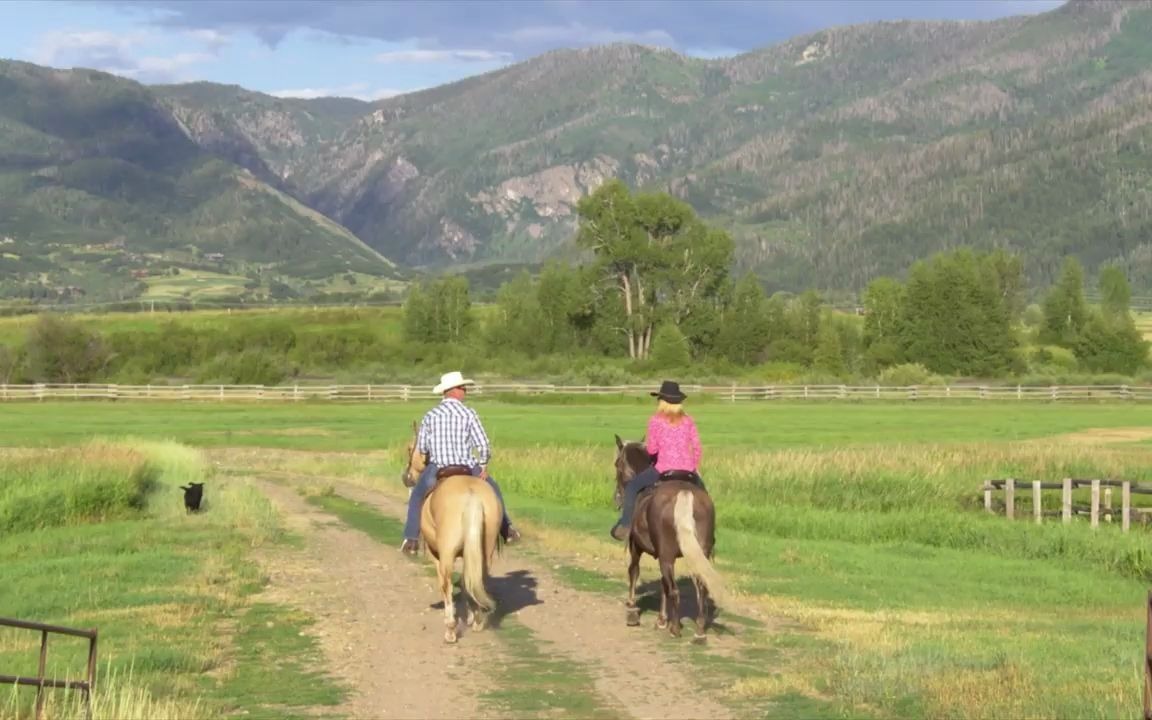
(449, 432)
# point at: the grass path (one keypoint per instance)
(553, 650)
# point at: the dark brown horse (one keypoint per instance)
(674, 519)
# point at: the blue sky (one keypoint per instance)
(376, 48)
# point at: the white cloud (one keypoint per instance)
(120, 53)
(54, 47)
(214, 40)
(359, 91)
(171, 65)
(439, 56)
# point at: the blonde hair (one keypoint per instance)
(672, 412)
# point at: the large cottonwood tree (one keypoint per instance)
(666, 264)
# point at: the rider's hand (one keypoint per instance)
(484, 474)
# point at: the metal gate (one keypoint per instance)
(40, 681)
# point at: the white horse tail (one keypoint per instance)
(693, 553)
(474, 562)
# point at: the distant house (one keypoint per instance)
(141, 273)
(214, 257)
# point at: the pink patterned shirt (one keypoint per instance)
(678, 445)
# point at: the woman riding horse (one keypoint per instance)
(672, 439)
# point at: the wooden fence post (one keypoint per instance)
(1095, 503)
(1126, 505)
(1108, 503)
(1037, 504)
(1010, 498)
(1066, 498)
(988, 495)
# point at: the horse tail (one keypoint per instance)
(474, 565)
(693, 552)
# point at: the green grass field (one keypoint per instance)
(193, 285)
(862, 524)
(383, 320)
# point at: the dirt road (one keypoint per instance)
(382, 636)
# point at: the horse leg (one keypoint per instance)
(672, 593)
(469, 606)
(444, 572)
(701, 611)
(633, 615)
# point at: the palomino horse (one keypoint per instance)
(460, 518)
(673, 519)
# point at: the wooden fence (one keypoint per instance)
(732, 393)
(1099, 506)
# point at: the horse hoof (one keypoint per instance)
(633, 617)
(698, 639)
(661, 624)
(450, 637)
(674, 631)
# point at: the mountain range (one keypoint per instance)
(831, 158)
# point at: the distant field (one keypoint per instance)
(193, 285)
(386, 320)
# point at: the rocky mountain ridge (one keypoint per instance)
(832, 158)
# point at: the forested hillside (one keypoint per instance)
(831, 158)
(101, 188)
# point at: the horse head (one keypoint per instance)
(416, 459)
(631, 459)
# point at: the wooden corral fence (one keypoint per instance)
(733, 393)
(41, 681)
(1100, 504)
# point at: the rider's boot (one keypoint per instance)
(410, 546)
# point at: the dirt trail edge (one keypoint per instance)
(587, 627)
(374, 620)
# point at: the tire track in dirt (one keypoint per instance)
(630, 667)
(374, 621)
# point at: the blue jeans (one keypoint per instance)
(646, 479)
(421, 490)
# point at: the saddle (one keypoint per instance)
(687, 476)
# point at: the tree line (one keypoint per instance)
(658, 292)
(655, 297)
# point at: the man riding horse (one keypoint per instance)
(448, 434)
(673, 442)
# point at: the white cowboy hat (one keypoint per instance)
(451, 380)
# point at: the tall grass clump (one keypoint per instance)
(231, 502)
(94, 482)
(118, 696)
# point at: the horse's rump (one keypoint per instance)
(462, 520)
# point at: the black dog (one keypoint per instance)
(193, 494)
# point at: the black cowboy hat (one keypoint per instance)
(669, 392)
